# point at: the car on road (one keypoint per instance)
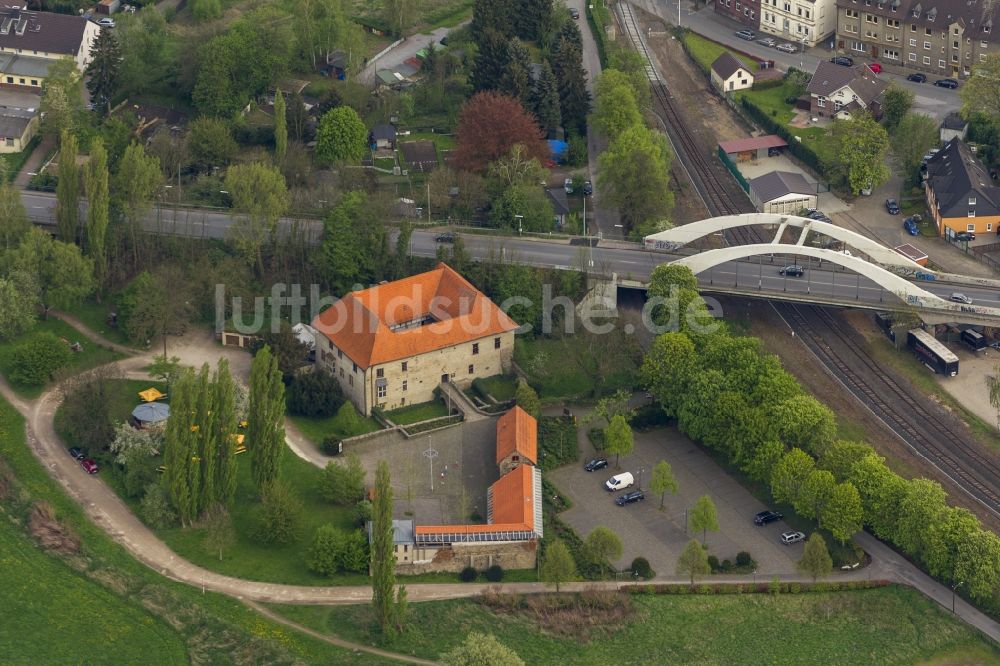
(765, 517)
(793, 270)
(792, 537)
(767, 41)
(910, 224)
(965, 236)
(844, 61)
(568, 185)
(892, 206)
(619, 481)
(746, 34)
(106, 22)
(574, 13)
(77, 453)
(588, 188)
(818, 215)
(875, 67)
(917, 77)
(596, 464)
(446, 237)
(628, 498)
(89, 466)
(946, 83)
(785, 47)
(959, 297)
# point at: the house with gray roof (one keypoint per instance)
(17, 128)
(783, 192)
(44, 36)
(961, 193)
(836, 91)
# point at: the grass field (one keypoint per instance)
(705, 52)
(417, 413)
(882, 626)
(345, 423)
(91, 356)
(773, 101)
(501, 387)
(95, 316)
(441, 141)
(566, 367)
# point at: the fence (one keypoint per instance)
(733, 170)
(982, 253)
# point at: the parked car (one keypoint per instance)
(568, 185)
(446, 237)
(818, 215)
(77, 453)
(106, 22)
(588, 188)
(596, 464)
(767, 41)
(965, 236)
(892, 206)
(875, 67)
(792, 537)
(619, 481)
(911, 225)
(765, 517)
(844, 61)
(917, 77)
(785, 47)
(959, 297)
(746, 34)
(574, 13)
(946, 83)
(89, 466)
(793, 270)
(628, 498)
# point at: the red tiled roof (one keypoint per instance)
(517, 432)
(514, 498)
(470, 529)
(361, 324)
(752, 143)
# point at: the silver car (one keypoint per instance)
(767, 41)
(961, 298)
(792, 537)
(787, 48)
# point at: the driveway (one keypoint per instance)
(404, 51)
(657, 535)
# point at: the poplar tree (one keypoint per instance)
(179, 449)
(68, 189)
(280, 128)
(266, 422)
(225, 434)
(383, 557)
(96, 178)
(206, 434)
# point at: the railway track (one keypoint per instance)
(829, 339)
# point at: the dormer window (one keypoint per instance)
(972, 201)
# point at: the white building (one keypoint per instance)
(803, 22)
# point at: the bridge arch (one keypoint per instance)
(671, 239)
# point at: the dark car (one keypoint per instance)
(946, 83)
(842, 60)
(818, 215)
(892, 206)
(596, 464)
(965, 236)
(89, 466)
(77, 453)
(765, 517)
(917, 78)
(447, 237)
(575, 14)
(588, 188)
(792, 271)
(911, 225)
(628, 498)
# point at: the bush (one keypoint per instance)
(495, 573)
(315, 394)
(324, 553)
(279, 517)
(35, 361)
(343, 485)
(713, 562)
(726, 565)
(155, 507)
(640, 566)
(649, 417)
(743, 559)
(331, 445)
(468, 574)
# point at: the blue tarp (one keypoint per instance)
(558, 149)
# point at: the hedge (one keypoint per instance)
(598, 17)
(771, 126)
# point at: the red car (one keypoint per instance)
(875, 67)
(89, 466)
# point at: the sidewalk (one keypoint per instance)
(34, 162)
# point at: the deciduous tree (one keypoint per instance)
(260, 197)
(634, 174)
(180, 449)
(35, 361)
(803, 421)
(663, 480)
(881, 491)
(693, 560)
(68, 189)
(225, 434)
(143, 40)
(279, 519)
(816, 560)
(383, 556)
(978, 565)
(138, 181)
(915, 134)
(280, 128)
(603, 546)
(631, 63)
(18, 297)
(980, 93)
(341, 136)
(618, 438)
(896, 103)
(558, 566)
(220, 534)
(97, 209)
(703, 517)
(667, 369)
(615, 107)
(62, 274)
(266, 420)
(62, 97)
(923, 504)
(526, 398)
(489, 126)
(211, 144)
(815, 494)
(841, 456)
(861, 147)
(843, 511)
(481, 649)
(14, 222)
(790, 474)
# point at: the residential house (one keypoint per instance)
(730, 74)
(960, 193)
(31, 41)
(393, 344)
(560, 204)
(944, 38)
(783, 192)
(382, 137)
(17, 128)
(517, 440)
(746, 12)
(954, 125)
(838, 91)
(802, 22)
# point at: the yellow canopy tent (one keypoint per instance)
(151, 395)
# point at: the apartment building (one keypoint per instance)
(943, 38)
(802, 22)
(746, 12)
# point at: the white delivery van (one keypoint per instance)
(619, 481)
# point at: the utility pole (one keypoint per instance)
(428, 201)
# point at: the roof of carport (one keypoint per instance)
(753, 143)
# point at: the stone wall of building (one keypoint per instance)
(510, 555)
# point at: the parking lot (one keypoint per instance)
(659, 536)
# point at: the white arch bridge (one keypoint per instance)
(885, 271)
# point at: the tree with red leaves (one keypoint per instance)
(489, 125)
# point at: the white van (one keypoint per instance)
(619, 481)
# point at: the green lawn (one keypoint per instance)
(441, 141)
(123, 398)
(346, 423)
(95, 316)
(501, 387)
(572, 368)
(92, 355)
(891, 625)
(773, 101)
(417, 413)
(705, 52)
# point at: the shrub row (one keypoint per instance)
(556, 441)
(774, 587)
(767, 84)
(599, 17)
(494, 574)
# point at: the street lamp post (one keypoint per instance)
(953, 588)
(519, 219)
